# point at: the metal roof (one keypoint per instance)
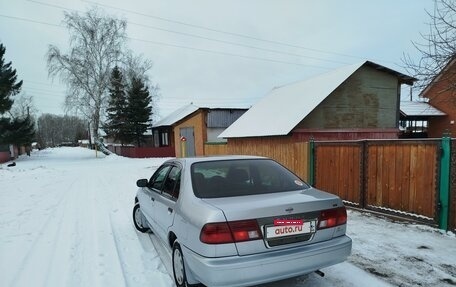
(189, 109)
(413, 109)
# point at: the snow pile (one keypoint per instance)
(65, 220)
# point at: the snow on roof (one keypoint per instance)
(409, 108)
(176, 116)
(189, 109)
(284, 107)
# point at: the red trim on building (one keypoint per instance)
(344, 134)
(143, 152)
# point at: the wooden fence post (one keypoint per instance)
(311, 162)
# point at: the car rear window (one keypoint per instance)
(226, 178)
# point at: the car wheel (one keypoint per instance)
(178, 266)
(138, 219)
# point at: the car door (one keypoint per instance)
(150, 194)
(165, 204)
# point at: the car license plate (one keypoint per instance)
(290, 230)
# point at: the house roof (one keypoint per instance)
(285, 107)
(437, 77)
(415, 109)
(189, 109)
(176, 116)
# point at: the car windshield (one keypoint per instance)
(226, 178)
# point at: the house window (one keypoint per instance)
(164, 139)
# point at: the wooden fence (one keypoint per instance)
(399, 177)
(215, 149)
(391, 176)
(338, 169)
(293, 155)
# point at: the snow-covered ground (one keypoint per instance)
(65, 220)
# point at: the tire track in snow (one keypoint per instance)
(36, 254)
(132, 255)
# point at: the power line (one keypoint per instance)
(203, 37)
(184, 47)
(221, 31)
(30, 20)
(53, 5)
(225, 53)
(235, 44)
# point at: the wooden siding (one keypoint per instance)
(367, 99)
(293, 155)
(196, 121)
(337, 170)
(215, 149)
(391, 176)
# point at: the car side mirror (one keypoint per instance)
(142, 182)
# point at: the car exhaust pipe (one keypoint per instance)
(320, 273)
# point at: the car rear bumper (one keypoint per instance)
(267, 267)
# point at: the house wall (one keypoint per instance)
(197, 122)
(367, 99)
(213, 133)
(443, 99)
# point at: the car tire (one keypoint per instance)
(180, 278)
(138, 219)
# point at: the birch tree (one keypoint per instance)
(97, 43)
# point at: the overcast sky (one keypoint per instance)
(222, 53)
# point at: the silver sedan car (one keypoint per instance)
(240, 221)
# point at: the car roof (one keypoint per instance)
(191, 160)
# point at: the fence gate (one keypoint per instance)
(390, 176)
(339, 169)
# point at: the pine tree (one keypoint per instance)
(139, 110)
(22, 131)
(18, 130)
(116, 123)
(8, 85)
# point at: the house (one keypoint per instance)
(440, 93)
(190, 128)
(359, 101)
(415, 118)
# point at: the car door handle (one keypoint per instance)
(170, 210)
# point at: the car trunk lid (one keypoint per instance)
(304, 206)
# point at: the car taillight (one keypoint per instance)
(332, 217)
(230, 232)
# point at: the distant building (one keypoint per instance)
(415, 118)
(441, 94)
(359, 101)
(191, 126)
